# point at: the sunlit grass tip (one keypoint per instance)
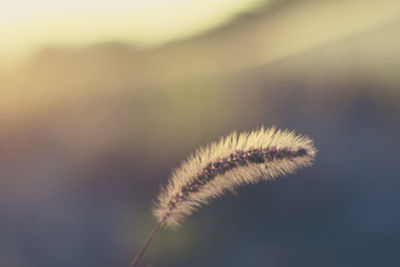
(222, 166)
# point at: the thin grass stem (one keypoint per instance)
(148, 241)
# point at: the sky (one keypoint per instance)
(26, 26)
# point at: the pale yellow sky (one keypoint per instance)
(27, 26)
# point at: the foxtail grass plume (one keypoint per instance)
(235, 160)
(220, 167)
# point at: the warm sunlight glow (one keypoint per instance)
(27, 26)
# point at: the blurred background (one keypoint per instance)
(100, 100)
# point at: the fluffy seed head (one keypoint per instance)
(235, 160)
